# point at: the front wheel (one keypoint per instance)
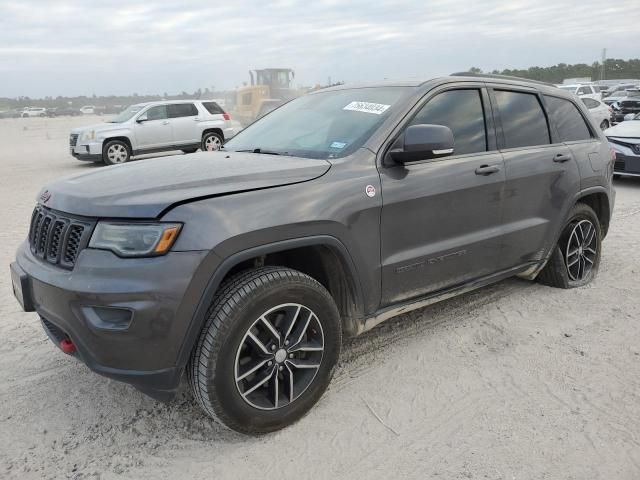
(575, 259)
(116, 151)
(211, 141)
(267, 351)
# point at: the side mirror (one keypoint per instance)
(422, 142)
(142, 118)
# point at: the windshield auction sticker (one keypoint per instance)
(367, 107)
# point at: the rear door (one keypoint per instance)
(540, 174)
(153, 129)
(577, 133)
(440, 220)
(184, 121)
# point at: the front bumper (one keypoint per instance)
(126, 317)
(627, 165)
(87, 151)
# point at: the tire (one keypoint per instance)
(561, 270)
(217, 365)
(604, 125)
(115, 152)
(190, 150)
(211, 141)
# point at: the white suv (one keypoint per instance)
(161, 126)
(583, 90)
(34, 112)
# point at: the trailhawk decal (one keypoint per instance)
(430, 261)
(367, 107)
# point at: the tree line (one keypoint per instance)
(614, 68)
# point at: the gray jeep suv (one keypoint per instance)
(245, 267)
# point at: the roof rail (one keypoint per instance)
(499, 77)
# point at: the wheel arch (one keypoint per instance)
(217, 130)
(122, 138)
(325, 258)
(598, 200)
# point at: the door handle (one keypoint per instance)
(196, 119)
(561, 158)
(487, 169)
(166, 122)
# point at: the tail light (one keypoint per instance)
(226, 116)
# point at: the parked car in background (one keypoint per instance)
(582, 90)
(88, 110)
(52, 112)
(615, 89)
(34, 112)
(625, 141)
(244, 269)
(152, 127)
(68, 111)
(601, 112)
(624, 105)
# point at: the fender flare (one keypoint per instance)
(199, 317)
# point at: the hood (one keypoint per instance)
(629, 128)
(98, 127)
(145, 188)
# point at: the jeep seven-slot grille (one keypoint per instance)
(58, 238)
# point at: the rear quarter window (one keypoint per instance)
(213, 108)
(524, 123)
(569, 122)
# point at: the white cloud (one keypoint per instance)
(78, 47)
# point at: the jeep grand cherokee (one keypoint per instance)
(245, 267)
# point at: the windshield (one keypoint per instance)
(126, 114)
(323, 125)
(632, 93)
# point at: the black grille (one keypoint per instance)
(58, 238)
(619, 166)
(73, 139)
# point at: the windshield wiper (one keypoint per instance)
(262, 151)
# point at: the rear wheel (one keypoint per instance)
(268, 350)
(575, 259)
(116, 151)
(604, 125)
(211, 141)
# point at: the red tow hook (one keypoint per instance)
(67, 346)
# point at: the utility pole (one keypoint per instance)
(604, 59)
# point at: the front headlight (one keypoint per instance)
(135, 239)
(88, 135)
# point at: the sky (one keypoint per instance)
(104, 47)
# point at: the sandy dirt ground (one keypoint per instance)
(514, 381)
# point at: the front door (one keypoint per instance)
(153, 129)
(441, 218)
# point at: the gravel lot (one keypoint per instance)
(514, 381)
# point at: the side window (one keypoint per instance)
(155, 113)
(213, 108)
(177, 110)
(462, 112)
(584, 91)
(589, 102)
(523, 121)
(568, 120)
